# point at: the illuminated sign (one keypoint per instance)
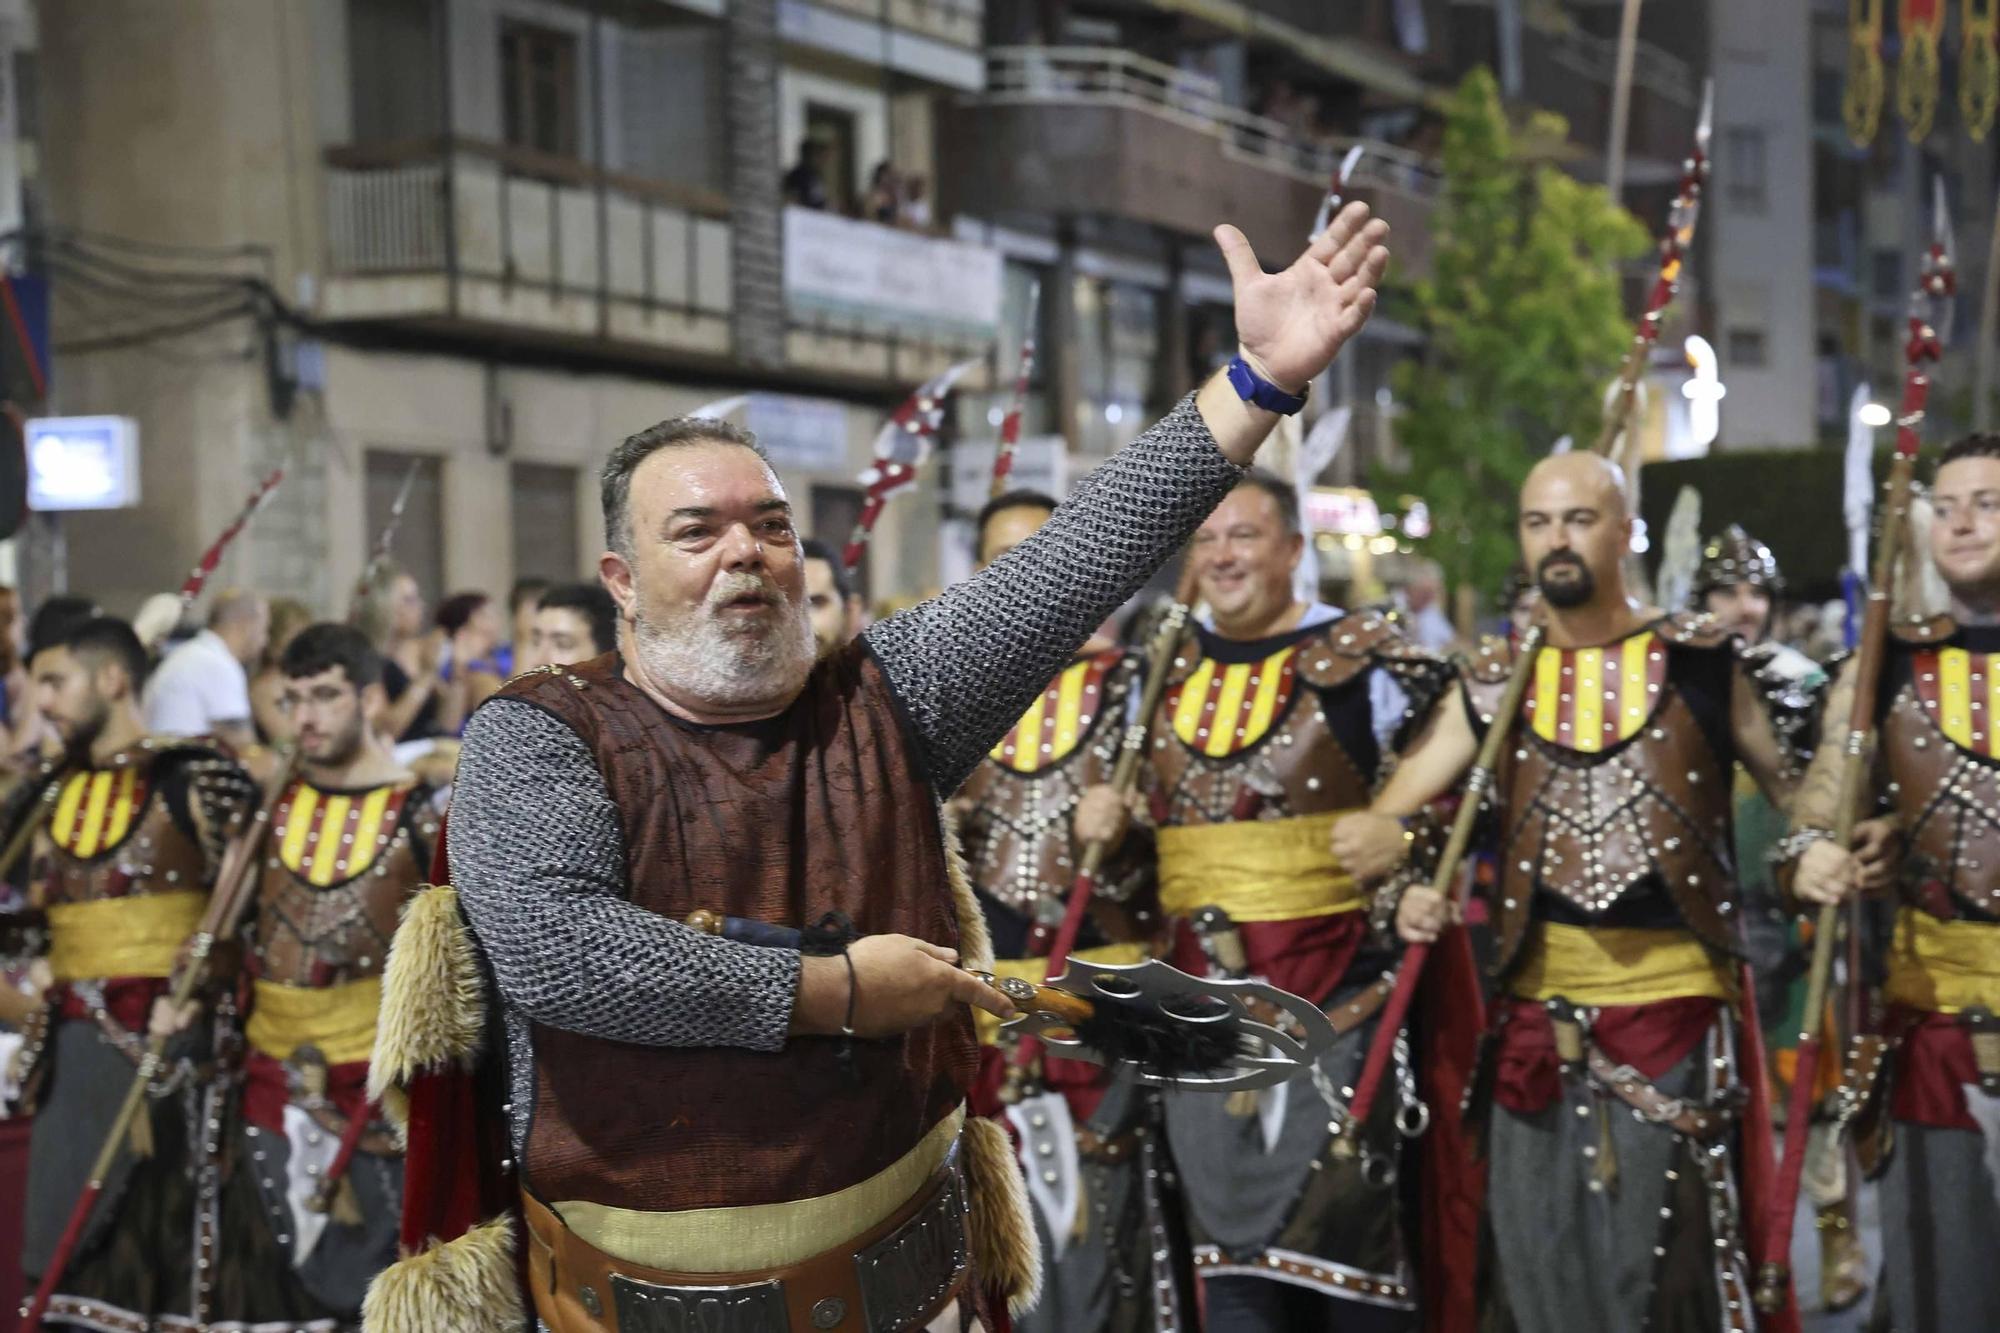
(1346, 510)
(82, 462)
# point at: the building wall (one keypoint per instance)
(1760, 218)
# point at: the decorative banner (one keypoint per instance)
(901, 448)
(1979, 68)
(1861, 107)
(1921, 26)
(1010, 425)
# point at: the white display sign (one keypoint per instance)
(82, 462)
(805, 434)
(902, 281)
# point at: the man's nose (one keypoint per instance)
(742, 550)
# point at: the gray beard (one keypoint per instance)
(728, 666)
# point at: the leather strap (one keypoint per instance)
(1703, 1123)
(577, 1288)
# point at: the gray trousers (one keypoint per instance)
(1571, 1258)
(1940, 1222)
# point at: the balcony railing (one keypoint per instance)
(1106, 76)
(1596, 58)
(472, 231)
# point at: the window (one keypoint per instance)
(419, 539)
(543, 499)
(538, 90)
(1746, 349)
(670, 116)
(394, 75)
(833, 129)
(1743, 168)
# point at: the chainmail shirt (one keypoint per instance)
(535, 847)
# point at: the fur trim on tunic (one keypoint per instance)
(975, 946)
(467, 1285)
(1005, 1252)
(433, 997)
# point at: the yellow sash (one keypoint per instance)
(1256, 870)
(122, 937)
(339, 1020)
(1037, 971)
(763, 1235)
(1616, 965)
(1943, 967)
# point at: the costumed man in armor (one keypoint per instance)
(1930, 1106)
(709, 1129)
(1024, 816)
(131, 844)
(1617, 1072)
(1739, 583)
(1277, 717)
(311, 1205)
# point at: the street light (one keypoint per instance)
(1873, 414)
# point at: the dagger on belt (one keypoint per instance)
(1169, 1028)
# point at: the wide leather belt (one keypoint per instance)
(897, 1276)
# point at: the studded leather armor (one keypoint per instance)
(338, 867)
(1018, 804)
(1940, 752)
(1289, 731)
(1612, 781)
(114, 831)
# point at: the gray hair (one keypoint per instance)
(675, 432)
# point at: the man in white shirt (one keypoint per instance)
(202, 688)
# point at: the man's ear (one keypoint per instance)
(1295, 549)
(615, 573)
(374, 704)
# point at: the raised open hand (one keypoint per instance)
(1292, 323)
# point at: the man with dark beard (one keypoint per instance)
(130, 846)
(836, 607)
(712, 1130)
(310, 1207)
(1619, 1067)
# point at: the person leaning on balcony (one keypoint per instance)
(690, 1112)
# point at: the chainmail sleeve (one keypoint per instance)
(966, 664)
(539, 865)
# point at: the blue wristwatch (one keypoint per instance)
(1254, 388)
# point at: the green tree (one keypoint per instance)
(1525, 328)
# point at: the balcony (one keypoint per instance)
(882, 303)
(1572, 73)
(937, 41)
(1098, 131)
(466, 237)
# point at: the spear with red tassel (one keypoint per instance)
(1929, 304)
(902, 447)
(198, 577)
(1010, 426)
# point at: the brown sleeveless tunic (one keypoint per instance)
(823, 808)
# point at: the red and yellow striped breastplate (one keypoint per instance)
(1960, 690)
(1223, 708)
(96, 810)
(1059, 721)
(327, 838)
(1591, 699)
